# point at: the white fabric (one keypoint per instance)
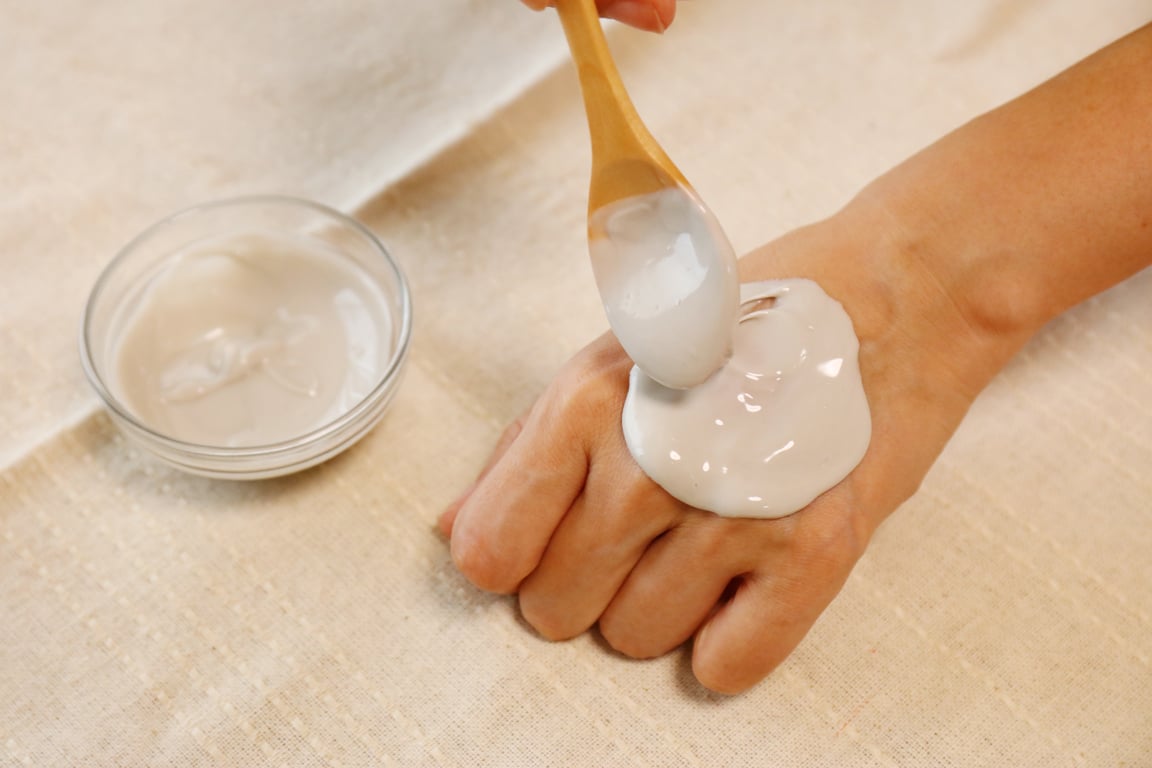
(1002, 617)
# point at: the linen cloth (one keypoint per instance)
(1003, 616)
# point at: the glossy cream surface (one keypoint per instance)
(667, 277)
(782, 421)
(249, 340)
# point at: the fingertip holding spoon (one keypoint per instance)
(663, 265)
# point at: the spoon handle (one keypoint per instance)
(620, 140)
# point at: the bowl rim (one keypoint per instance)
(329, 429)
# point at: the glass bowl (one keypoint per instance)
(248, 338)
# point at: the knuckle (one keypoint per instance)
(481, 566)
(718, 678)
(594, 379)
(712, 538)
(550, 620)
(624, 639)
(831, 543)
(581, 392)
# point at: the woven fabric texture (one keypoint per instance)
(1003, 616)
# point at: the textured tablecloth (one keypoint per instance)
(1002, 617)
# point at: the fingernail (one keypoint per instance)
(660, 26)
(637, 14)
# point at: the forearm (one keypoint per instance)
(1039, 204)
(950, 262)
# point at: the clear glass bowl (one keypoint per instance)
(126, 280)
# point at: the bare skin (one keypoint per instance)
(649, 15)
(947, 265)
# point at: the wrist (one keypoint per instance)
(968, 251)
(1039, 204)
(900, 286)
(952, 284)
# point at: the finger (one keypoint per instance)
(772, 610)
(650, 15)
(511, 432)
(676, 584)
(502, 528)
(595, 547)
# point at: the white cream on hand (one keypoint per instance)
(782, 421)
(225, 346)
(667, 277)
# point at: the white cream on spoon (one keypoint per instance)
(667, 277)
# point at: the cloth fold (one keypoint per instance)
(147, 617)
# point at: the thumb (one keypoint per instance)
(649, 15)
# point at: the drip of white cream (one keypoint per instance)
(667, 277)
(250, 340)
(782, 421)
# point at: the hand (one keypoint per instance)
(947, 265)
(650, 15)
(565, 517)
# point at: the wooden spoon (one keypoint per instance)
(626, 160)
(665, 270)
